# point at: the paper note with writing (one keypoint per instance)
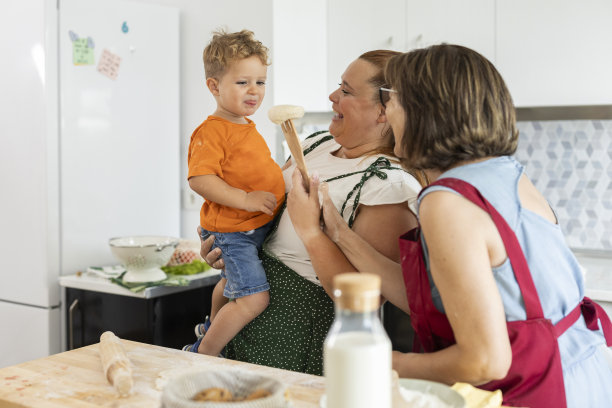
(109, 64)
(82, 53)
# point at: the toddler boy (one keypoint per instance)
(230, 165)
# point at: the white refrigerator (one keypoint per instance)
(89, 105)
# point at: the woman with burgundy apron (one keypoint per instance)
(495, 296)
(489, 267)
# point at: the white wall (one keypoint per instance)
(198, 19)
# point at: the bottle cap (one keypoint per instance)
(358, 292)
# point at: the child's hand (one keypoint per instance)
(260, 201)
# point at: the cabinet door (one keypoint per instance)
(164, 321)
(469, 23)
(89, 314)
(354, 27)
(555, 52)
(299, 54)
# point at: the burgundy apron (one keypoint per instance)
(535, 377)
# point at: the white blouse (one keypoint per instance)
(399, 186)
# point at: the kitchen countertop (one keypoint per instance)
(75, 378)
(598, 275)
(597, 267)
(87, 281)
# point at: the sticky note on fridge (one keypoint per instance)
(109, 64)
(82, 53)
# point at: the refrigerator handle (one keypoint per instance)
(74, 305)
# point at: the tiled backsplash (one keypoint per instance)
(570, 162)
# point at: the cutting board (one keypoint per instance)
(75, 379)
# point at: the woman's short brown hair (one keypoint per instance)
(227, 48)
(457, 107)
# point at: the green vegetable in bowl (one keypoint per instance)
(196, 266)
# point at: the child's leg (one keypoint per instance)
(245, 274)
(218, 300)
(230, 319)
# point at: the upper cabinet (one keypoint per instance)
(550, 52)
(299, 54)
(469, 23)
(315, 40)
(556, 52)
(354, 27)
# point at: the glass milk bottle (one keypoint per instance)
(357, 351)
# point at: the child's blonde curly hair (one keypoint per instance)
(226, 48)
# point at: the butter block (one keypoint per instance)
(477, 398)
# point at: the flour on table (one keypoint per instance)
(164, 376)
(417, 399)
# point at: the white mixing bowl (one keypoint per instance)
(142, 256)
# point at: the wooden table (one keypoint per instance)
(75, 379)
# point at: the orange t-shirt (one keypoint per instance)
(239, 155)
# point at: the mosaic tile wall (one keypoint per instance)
(570, 162)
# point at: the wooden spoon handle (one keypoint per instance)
(296, 149)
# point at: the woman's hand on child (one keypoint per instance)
(213, 258)
(263, 201)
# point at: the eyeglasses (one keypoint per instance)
(383, 94)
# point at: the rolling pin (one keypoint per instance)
(115, 363)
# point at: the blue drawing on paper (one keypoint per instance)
(124, 27)
(73, 36)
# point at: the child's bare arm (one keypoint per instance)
(214, 189)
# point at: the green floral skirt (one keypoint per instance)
(289, 334)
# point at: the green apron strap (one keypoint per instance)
(375, 169)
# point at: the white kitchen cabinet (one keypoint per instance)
(469, 23)
(299, 54)
(555, 52)
(311, 52)
(550, 52)
(314, 42)
(354, 27)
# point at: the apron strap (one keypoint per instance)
(593, 314)
(533, 307)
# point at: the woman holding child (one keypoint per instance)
(371, 191)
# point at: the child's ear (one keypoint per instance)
(213, 86)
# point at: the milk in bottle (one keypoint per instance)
(357, 351)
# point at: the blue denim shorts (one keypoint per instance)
(243, 269)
